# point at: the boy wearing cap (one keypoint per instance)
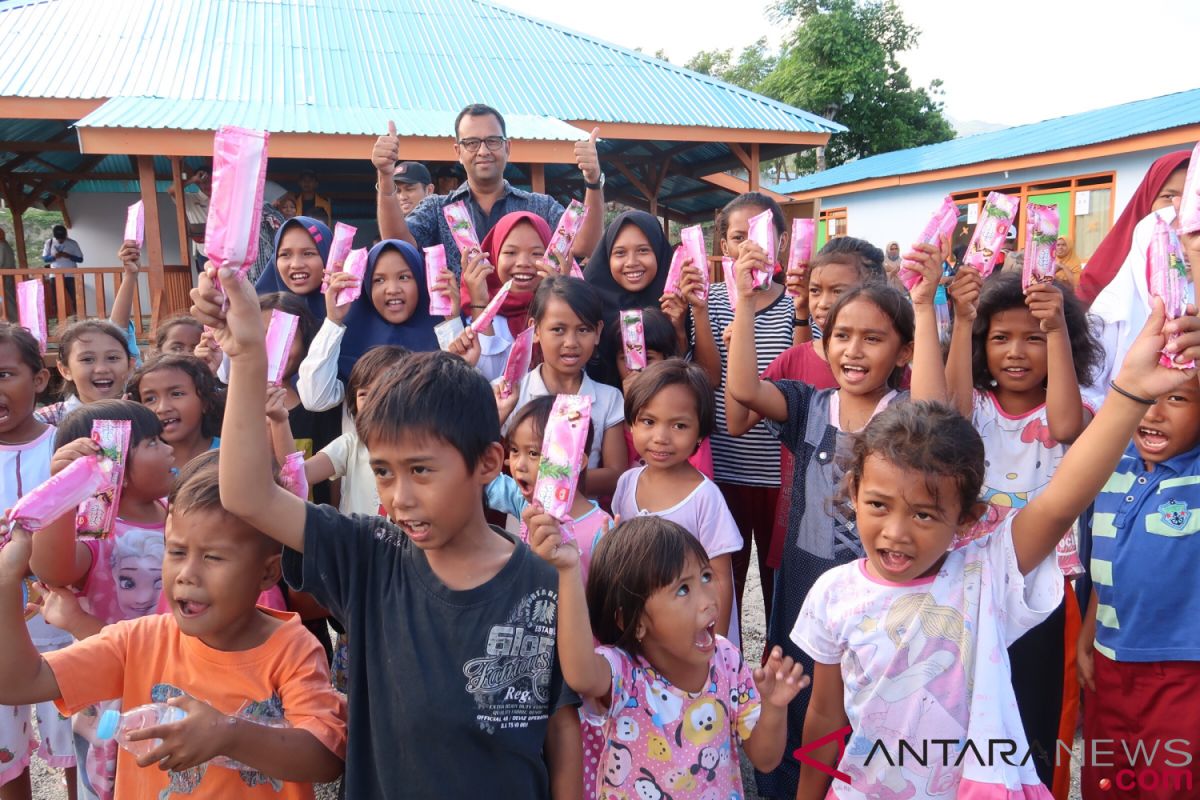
(413, 184)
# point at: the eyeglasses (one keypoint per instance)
(493, 143)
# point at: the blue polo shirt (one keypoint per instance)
(428, 224)
(1145, 551)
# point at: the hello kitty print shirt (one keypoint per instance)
(661, 741)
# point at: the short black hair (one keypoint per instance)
(143, 423)
(212, 399)
(174, 321)
(370, 366)
(843, 248)
(198, 488)
(480, 110)
(78, 328)
(580, 295)
(28, 350)
(537, 411)
(673, 372)
(59, 229)
(1006, 292)
(434, 394)
(895, 306)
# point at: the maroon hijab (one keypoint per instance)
(1104, 264)
(515, 308)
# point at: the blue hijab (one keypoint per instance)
(271, 281)
(365, 328)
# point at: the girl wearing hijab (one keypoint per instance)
(301, 249)
(393, 308)
(1067, 265)
(1161, 187)
(629, 270)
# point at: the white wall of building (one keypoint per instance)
(900, 212)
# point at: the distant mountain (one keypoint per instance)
(974, 126)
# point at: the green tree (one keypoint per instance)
(840, 62)
(752, 67)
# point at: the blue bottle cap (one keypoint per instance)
(109, 720)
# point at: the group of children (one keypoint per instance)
(907, 505)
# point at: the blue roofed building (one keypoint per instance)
(1087, 164)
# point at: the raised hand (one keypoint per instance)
(751, 257)
(587, 157)
(277, 410)
(386, 153)
(70, 451)
(1045, 302)
(238, 328)
(545, 538)
(964, 292)
(475, 272)
(129, 255)
(1141, 374)
(506, 396)
(780, 679)
(208, 350)
(926, 259)
(466, 346)
(691, 283)
(336, 282)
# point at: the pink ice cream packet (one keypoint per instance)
(62, 493)
(558, 251)
(762, 232)
(563, 455)
(800, 248)
(235, 207)
(339, 249)
(1169, 279)
(727, 269)
(516, 366)
(940, 226)
(135, 223)
(1041, 232)
(692, 242)
(280, 333)
(462, 226)
(31, 310)
(480, 323)
(440, 304)
(675, 273)
(97, 513)
(1189, 203)
(356, 265)
(291, 474)
(633, 338)
(999, 213)
(576, 272)
(1067, 554)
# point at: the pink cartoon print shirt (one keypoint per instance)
(125, 581)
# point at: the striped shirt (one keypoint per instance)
(751, 459)
(1144, 553)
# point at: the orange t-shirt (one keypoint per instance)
(149, 660)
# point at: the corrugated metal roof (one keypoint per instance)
(308, 59)
(161, 112)
(1076, 130)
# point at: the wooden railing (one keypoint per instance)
(92, 293)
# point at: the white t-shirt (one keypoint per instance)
(352, 465)
(926, 660)
(608, 406)
(703, 513)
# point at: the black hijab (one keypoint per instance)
(599, 271)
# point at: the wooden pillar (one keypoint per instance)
(185, 244)
(754, 167)
(153, 247)
(537, 178)
(18, 219)
(666, 216)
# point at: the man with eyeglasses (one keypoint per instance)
(482, 146)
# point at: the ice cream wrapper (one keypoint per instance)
(62, 493)
(730, 280)
(291, 475)
(516, 367)
(339, 249)
(558, 251)
(97, 513)
(480, 323)
(135, 223)
(633, 338)
(235, 208)
(999, 213)
(1169, 279)
(1189, 203)
(448, 331)
(762, 233)
(576, 271)
(692, 238)
(440, 304)
(1041, 232)
(31, 310)
(1067, 553)
(675, 273)
(280, 334)
(563, 455)
(800, 248)
(356, 265)
(940, 226)
(462, 227)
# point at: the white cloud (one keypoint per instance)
(1010, 62)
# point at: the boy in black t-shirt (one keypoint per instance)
(452, 623)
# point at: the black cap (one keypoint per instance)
(412, 172)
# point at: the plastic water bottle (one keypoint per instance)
(115, 725)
